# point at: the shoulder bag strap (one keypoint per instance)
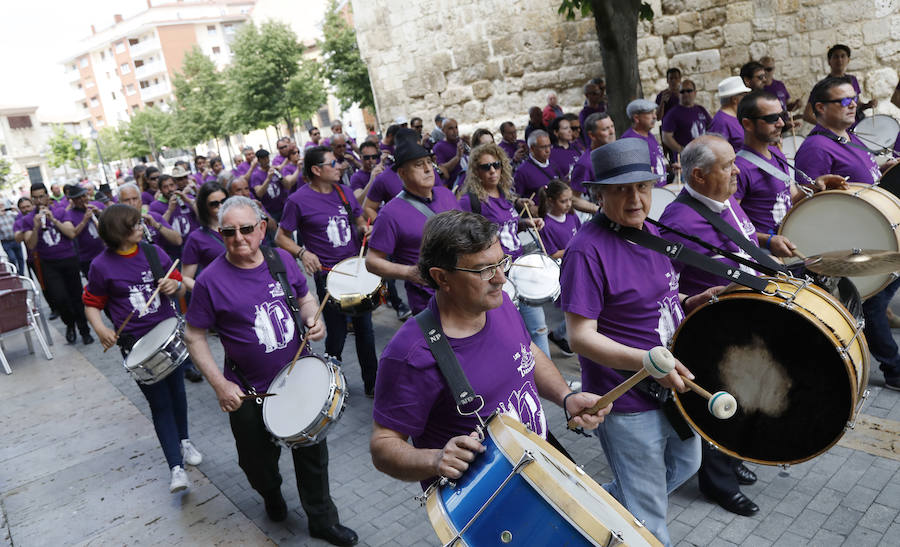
(474, 203)
(279, 273)
(419, 206)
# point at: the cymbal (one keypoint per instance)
(854, 262)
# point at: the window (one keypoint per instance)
(324, 117)
(75, 66)
(211, 30)
(89, 84)
(138, 63)
(100, 122)
(79, 86)
(125, 68)
(34, 174)
(102, 56)
(3, 149)
(129, 89)
(216, 50)
(19, 122)
(120, 47)
(84, 62)
(132, 41)
(95, 102)
(113, 95)
(84, 104)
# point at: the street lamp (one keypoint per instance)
(76, 144)
(95, 136)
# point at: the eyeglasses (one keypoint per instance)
(231, 231)
(688, 90)
(153, 178)
(331, 163)
(770, 118)
(370, 157)
(575, 127)
(769, 68)
(488, 272)
(214, 203)
(417, 127)
(845, 101)
(488, 166)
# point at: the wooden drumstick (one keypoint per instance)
(306, 336)
(538, 232)
(721, 404)
(658, 362)
(146, 304)
(522, 212)
(799, 255)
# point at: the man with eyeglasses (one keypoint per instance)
(371, 168)
(515, 148)
(642, 114)
(269, 186)
(463, 262)
(595, 97)
(536, 171)
(156, 229)
(686, 121)
(832, 148)
(777, 87)
(451, 154)
(418, 126)
(315, 136)
(284, 146)
(347, 163)
(238, 297)
(838, 59)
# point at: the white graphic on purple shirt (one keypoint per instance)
(509, 239)
(138, 295)
(780, 208)
(51, 236)
(338, 231)
(92, 230)
(523, 406)
(273, 325)
(526, 360)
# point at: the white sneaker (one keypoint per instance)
(190, 454)
(179, 480)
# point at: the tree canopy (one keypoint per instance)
(342, 64)
(148, 131)
(200, 99)
(61, 150)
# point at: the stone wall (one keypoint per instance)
(486, 61)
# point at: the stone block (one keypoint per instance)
(697, 62)
(455, 95)
(736, 34)
(472, 111)
(679, 44)
(496, 106)
(784, 26)
(887, 49)
(875, 31)
(894, 25)
(503, 45)
(740, 11)
(440, 61)
(798, 45)
(689, 22)
(647, 68)
(787, 6)
(734, 56)
(540, 80)
(482, 89)
(881, 82)
(761, 24)
(713, 17)
(547, 59)
(515, 65)
(651, 46)
(672, 7)
(699, 5)
(709, 38)
(665, 25)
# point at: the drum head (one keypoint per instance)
(151, 342)
(301, 396)
(793, 389)
(537, 278)
(357, 281)
(510, 289)
(661, 196)
(877, 132)
(790, 145)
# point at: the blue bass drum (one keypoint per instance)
(522, 491)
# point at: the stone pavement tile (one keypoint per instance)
(773, 525)
(807, 523)
(886, 463)
(876, 477)
(386, 534)
(890, 496)
(779, 487)
(739, 529)
(825, 501)
(878, 517)
(704, 533)
(718, 542)
(794, 503)
(825, 537)
(891, 535)
(722, 515)
(847, 478)
(842, 520)
(863, 537)
(859, 498)
(756, 541)
(678, 531)
(788, 539)
(695, 513)
(417, 534)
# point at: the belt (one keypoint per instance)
(11, 240)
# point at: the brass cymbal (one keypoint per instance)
(854, 262)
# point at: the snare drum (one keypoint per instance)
(352, 288)
(536, 277)
(660, 198)
(793, 357)
(863, 217)
(510, 289)
(309, 401)
(522, 491)
(158, 353)
(877, 132)
(789, 146)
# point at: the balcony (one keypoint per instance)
(155, 92)
(144, 47)
(73, 76)
(149, 69)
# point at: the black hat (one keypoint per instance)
(407, 147)
(73, 191)
(262, 153)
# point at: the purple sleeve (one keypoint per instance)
(295, 276)
(96, 284)
(384, 235)
(159, 218)
(443, 153)
(413, 393)
(158, 207)
(669, 122)
(377, 190)
(814, 159)
(200, 312)
(190, 254)
(290, 217)
(581, 275)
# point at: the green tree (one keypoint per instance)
(148, 131)
(616, 24)
(200, 99)
(111, 145)
(61, 150)
(7, 177)
(306, 91)
(343, 66)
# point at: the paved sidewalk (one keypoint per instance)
(847, 496)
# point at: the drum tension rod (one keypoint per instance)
(852, 423)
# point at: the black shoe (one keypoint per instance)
(892, 383)
(562, 344)
(70, 334)
(403, 312)
(87, 339)
(744, 475)
(276, 507)
(53, 315)
(193, 375)
(336, 534)
(736, 503)
(370, 392)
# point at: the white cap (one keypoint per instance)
(734, 85)
(400, 120)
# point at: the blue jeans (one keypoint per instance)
(168, 405)
(878, 331)
(14, 253)
(336, 334)
(536, 325)
(649, 461)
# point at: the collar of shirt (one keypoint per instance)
(420, 198)
(543, 165)
(714, 206)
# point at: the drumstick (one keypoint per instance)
(613, 394)
(541, 241)
(146, 304)
(527, 266)
(722, 404)
(799, 255)
(522, 212)
(306, 336)
(337, 271)
(362, 248)
(254, 395)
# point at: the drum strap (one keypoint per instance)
(417, 204)
(841, 140)
(460, 388)
(768, 167)
(279, 273)
(677, 251)
(474, 203)
(730, 232)
(156, 269)
(344, 201)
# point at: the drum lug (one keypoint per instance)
(852, 423)
(860, 325)
(615, 538)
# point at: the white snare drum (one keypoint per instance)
(789, 146)
(510, 289)
(157, 353)
(661, 196)
(352, 288)
(536, 277)
(863, 217)
(308, 402)
(877, 132)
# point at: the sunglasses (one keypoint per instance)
(214, 203)
(331, 163)
(152, 178)
(230, 231)
(575, 127)
(845, 101)
(370, 157)
(770, 118)
(769, 68)
(488, 166)
(688, 90)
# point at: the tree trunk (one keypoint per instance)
(230, 151)
(616, 25)
(290, 127)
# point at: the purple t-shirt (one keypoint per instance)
(89, 242)
(322, 219)
(240, 170)
(764, 198)
(498, 361)
(556, 235)
(247, 307)
(127, 282)
(564, 158)
(531, 177)
(582, 116)
(684, 219)
(147, 198)
(443, 152)
(182, 220)
(686, 124)
(276, 194)
(359, 180)
(202, 247)
(631, 291)
(670, 103)
(51, 243)
(582, 171)
(398, 232)
(386, 185)
(502, 212)
(777, 88)
(729, 127)
(510, 148)
(820, 155)
(657, 159)
(156, 237)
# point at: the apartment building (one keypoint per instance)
(132, 64)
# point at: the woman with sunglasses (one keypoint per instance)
(563, 155)
(149, 185)
(118, 283)
(487, 190)
(205, 244)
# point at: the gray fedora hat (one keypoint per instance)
(622, 162)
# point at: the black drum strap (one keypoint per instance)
(157, 271)
(279, 274)
(474, 203)
(418, 205)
